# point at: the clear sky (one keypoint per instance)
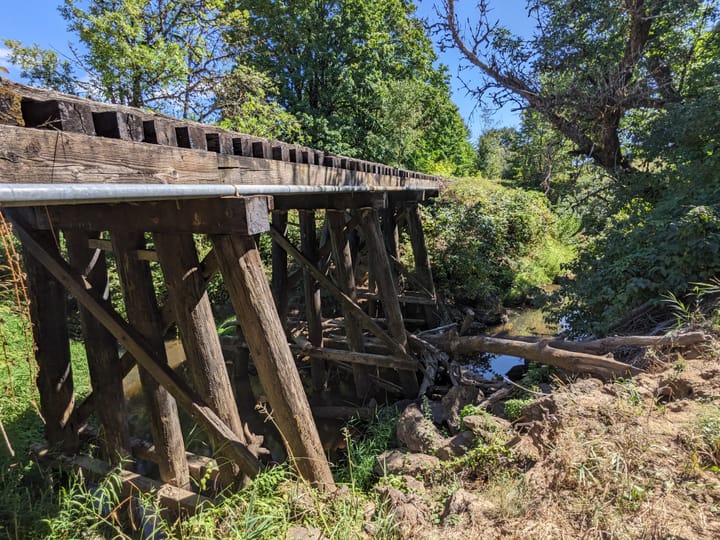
(38, 21)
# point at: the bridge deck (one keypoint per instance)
(52, 138)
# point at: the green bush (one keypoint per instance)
(491, 243)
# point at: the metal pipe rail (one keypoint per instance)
(63, 194)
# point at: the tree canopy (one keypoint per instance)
(359, 77)
(588, 64)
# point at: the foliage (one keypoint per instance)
(481, 236)
(360, 79)
(174, 56)
(663, 233)
(379, 435)
(514, 408)
(495, 152)
(587, 65)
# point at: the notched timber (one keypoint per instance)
(30, 155)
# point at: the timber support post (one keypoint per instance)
(252, 300)
(311, 288)
(422, 261)
(101, 347)
(346, 282)
(387, 291)
(143, 314)
(52, 348)
(279, 268)
(186, 288)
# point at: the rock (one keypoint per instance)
(399, 462)
(418, 433)
(487, 427)
(413, 485)
(517, 372)
(456, 446)
(673, 389)
(540, 410)
(463, 502)
(305, 533)
(411, 512)
(453, 402)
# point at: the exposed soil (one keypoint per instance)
(624, 459)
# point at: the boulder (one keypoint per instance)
(418, 433)
(412, 514)
(456, 446)
(453, 402)
(464, 502)
(399, 462)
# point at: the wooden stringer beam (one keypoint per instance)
(143, 354)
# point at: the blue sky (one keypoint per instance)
(38, 21)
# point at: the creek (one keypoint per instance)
(522, 322)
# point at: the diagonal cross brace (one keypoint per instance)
(135, 344)
(351, 306)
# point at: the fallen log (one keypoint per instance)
(542, 352)
(605, 345)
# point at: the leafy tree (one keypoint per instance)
(663, 234)
(359, 77)
(588, 64)
(495, 151)
(169, 55)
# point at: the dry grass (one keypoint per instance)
(615, 462)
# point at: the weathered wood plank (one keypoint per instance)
(61, 115)
(387, 290)
(279, 279)
(136, 345)
(311, 290)
(52, 346)
(143, 314)
(246, 215)
(353, 357)
(331, 201)
(175, 499)
(30, 155)
(118, 125)
(423, 270)
(102, 351)
(201, 343)
(345, 276)
(251, 297)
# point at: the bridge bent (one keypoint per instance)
(110, 179)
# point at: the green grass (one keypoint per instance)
(28, 493)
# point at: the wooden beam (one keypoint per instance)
(311, 290)
(245, 215)
(176, 500)
(102, 353)
(134, 343)
(422, 261)
(143, 314)
(345, 276)
(366, 321)
(42, 156)
(251, 297)
(331, 201)
(201, 343)
(387, 290)
(52, 346)
(279, 268)
(353, 357)
(208, 268)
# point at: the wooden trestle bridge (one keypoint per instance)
(111, 179)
